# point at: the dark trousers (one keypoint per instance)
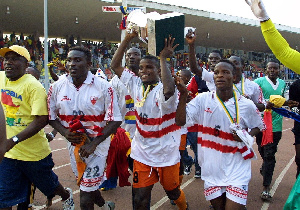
(191, 137)
(267, 153)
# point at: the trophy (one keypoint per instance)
(153, 28)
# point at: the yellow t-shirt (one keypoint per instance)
(22, 100)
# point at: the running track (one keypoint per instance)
(283, 180)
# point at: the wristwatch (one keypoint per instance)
(15, 139)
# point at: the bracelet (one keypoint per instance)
(51, 134)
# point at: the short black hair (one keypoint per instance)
(153, 58)
(229, 62)
(85, 50)
(217, 51)
(274, 61)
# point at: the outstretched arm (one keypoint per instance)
(166, 76)
(116, 62)
(279, 46)
(191, 38)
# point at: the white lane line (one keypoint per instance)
(165, 199)
(56, 150)
(53, 202)
(277, 182)
(55, 168)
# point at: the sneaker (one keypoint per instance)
(187, 169)
(109, 205)
(197, 174)
(69, 203)
(266, 196)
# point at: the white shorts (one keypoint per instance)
(93, 175)
(236, 194)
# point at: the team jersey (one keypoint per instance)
(157, 137)
(268, 88)
(208, 76)
(22, 100)
(126, 105)
(250, 89)
(94, 103)
(223, 161)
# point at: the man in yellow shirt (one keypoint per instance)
(25, 156)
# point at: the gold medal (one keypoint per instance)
(139, 104)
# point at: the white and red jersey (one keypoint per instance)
(94, 103)
(126, 105)
(223, 161)
(157, 137)
(208, 76)
(251, 89)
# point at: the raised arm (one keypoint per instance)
(191, 38)
(279, 46)
(166, 76)
(180, 118)
(116, 63)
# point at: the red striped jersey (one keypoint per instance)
(223, 161)
(157, 137)
(93, 103)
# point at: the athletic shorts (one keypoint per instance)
(182, 142)
(93, 175)
(16, 176)
(144, 176)
(236, 194)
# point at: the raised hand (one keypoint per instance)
(169, 48)
(180, 84)
(258, 9)
(190, 38)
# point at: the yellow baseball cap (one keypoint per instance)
(17, 49)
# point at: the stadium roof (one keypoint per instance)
(225, 31)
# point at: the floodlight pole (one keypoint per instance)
(46, 80)
(123, 32)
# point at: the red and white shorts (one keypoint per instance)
(236, 193)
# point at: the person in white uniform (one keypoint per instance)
(81, 96)
(224, 145)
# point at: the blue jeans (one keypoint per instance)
(16, 176)
(191, 137)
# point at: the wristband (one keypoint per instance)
(52, 135)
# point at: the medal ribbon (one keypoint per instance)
(227, 111)
(242, 86)
(145, 94)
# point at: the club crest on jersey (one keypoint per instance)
(94, 99)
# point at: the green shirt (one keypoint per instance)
(268, 90)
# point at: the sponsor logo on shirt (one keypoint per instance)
(65, 98)
(208, 110)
